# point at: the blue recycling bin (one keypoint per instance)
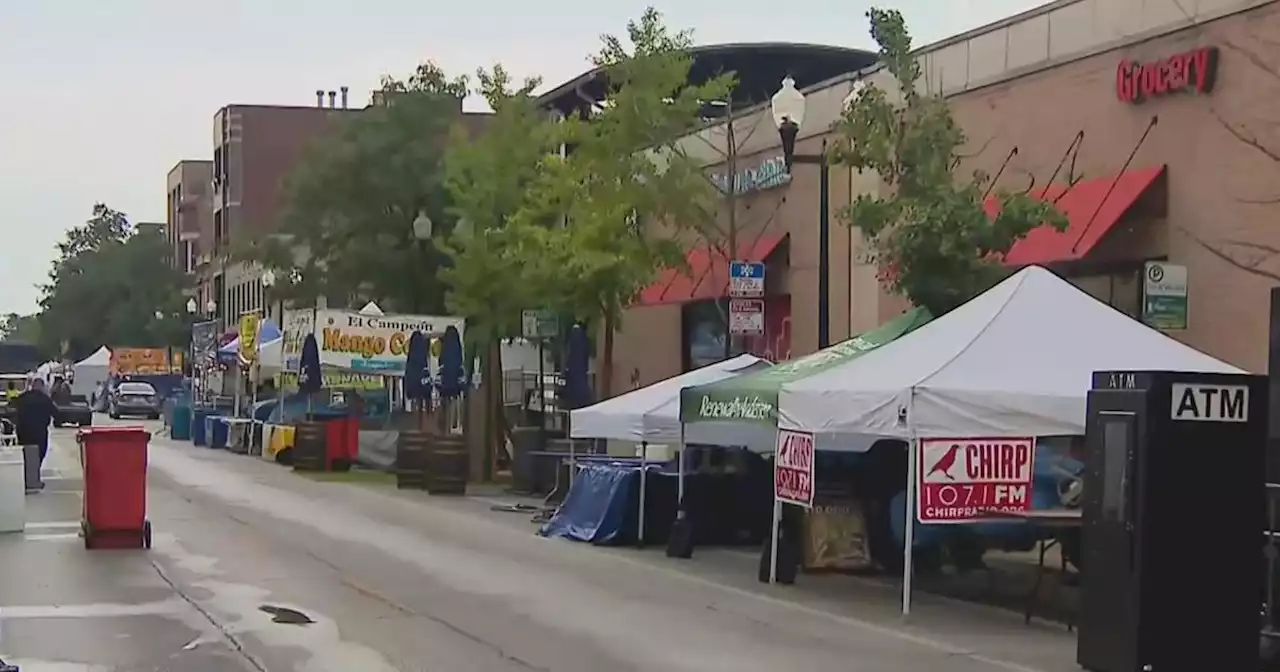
(180, 423)
(218, 431)
(199, 433)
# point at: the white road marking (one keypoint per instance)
(101, 610)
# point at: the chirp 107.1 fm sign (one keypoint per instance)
(353, 341)
(970, 479)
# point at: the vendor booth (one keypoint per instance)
(606, 490)
(91, 372)
(1005, 368)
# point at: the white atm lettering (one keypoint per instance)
(1210, 403)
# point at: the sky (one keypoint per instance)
(101, 99)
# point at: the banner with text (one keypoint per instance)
(793, 468)
(972, 479)
(294, 327)
(376, 344)
(139, 361)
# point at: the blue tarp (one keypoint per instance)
(599, 504)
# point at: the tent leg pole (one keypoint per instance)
(680, 473)
(644, 457)
(909, 529)
(773, 541)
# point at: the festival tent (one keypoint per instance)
(267, 332)
(753, 397)
(91, 372)
(652, 414)
(1016, 360)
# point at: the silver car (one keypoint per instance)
(134, 399)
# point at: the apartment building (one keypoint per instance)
(188, 211)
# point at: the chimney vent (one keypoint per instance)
(319, 97)
(333, 99)
(344, 90)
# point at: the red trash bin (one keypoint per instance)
(114, 460)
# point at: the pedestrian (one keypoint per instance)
(33, 413)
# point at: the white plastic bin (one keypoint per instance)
(13, 490)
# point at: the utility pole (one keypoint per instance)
(731, 200)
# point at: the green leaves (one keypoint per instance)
(352, 202)
(107, 285)
(932, 235)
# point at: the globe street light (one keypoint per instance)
(192, 307)
(422, 226)
(788, 107)
(211, 308)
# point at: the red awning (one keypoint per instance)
(708, 275)
(1092, 208)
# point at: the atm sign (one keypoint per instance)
(1210, 403)
(963, 480)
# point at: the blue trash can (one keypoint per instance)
(218, 431)
(199, 435)
(180, 428)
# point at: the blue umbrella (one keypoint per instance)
(309, 379)
(417, 372)
(577, 362)
(452, 376)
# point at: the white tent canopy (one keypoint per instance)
(651, 414)
(1014, 361)
(102, 357)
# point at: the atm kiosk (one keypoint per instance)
(1174, 502)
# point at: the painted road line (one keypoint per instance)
(54, 525)
(100, 610)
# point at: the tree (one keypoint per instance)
(106, 286)
(15, 328)
(931, 235)
(624, 182)
(350, 205)
(486, 179)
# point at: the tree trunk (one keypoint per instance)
(606, 363)
(497, 434)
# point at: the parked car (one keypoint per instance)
(74, 410)
(134, 399)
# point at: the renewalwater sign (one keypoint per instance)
(793, 468)
(966, 480)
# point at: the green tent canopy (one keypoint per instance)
(753, 397)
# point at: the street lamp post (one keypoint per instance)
(788, 106)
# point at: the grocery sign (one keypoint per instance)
(793, 468)
(972, 479)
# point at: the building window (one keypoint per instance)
(702, 324)
(1121, 290)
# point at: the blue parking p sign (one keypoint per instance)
(746, 279)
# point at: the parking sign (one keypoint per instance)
(746, 279)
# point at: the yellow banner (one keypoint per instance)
(249, 337)
(335, 380)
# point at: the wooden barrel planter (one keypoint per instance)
(310, 444)
(447, 465)
(411, 459)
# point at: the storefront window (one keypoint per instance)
(1122, 291)
(703, 337)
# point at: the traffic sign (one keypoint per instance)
(746, 316)
(746, 278)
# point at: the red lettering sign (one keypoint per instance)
(1195, 70)
(963, 480)
(793, 468)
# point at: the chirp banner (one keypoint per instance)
(971, 479)
(376, 344)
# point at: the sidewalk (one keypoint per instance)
(67, 609)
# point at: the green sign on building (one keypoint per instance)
(1164, 295)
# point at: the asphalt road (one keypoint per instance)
(389, 581)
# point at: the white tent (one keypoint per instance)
(271, 357)
(1015, 361)
(91, 371)
(651, 414)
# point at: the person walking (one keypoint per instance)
(33, 413)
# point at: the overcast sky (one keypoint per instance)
(102, 98)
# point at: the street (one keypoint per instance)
(257, 568)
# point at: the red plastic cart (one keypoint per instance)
(114, 460)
